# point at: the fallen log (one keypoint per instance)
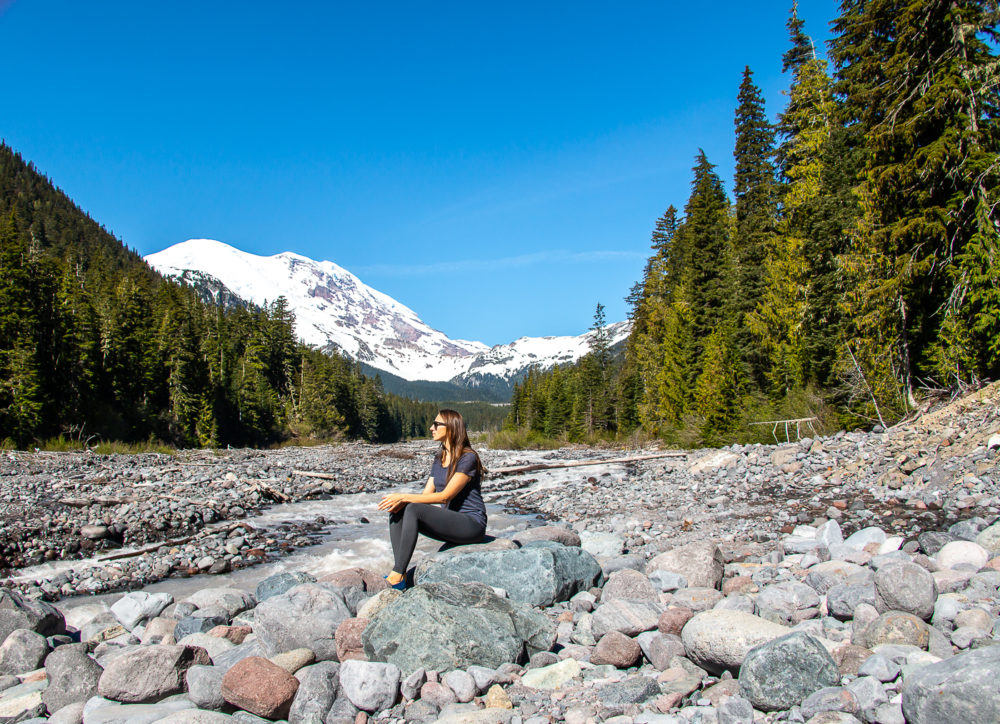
(173, 542)
(580, 463)
(309, 474)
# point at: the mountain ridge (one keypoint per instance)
(336, 310)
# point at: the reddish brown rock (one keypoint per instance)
(260, 687)
(726, 687)
(236, 634)
(361, 717)
(673, 619)
(849, 658)
(666, 702)
(348, 638)
(437, 694)
(739, 584)
(617, 649)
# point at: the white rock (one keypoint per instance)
(370, 685)
(134, 607)
(829, 534)
(720, 639)
(960, 552)
(551, 677)
(713, 461)
(892, 543)
(606, 545)
(865, 536)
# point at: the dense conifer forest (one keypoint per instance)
(856, 266)
(95, 345)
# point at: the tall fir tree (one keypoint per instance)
(755, 195)
(919, 84)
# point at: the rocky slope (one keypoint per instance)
(845, 579)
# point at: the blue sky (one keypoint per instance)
(497, 167)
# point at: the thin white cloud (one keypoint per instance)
(557, 256)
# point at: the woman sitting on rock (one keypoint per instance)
(450, 508)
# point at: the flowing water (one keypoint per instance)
(344, 542)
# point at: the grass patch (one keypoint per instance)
(116, 447)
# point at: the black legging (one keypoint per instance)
(433, 521)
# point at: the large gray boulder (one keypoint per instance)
(319, 685)
(19, 612)
(960, 689)
(700, 563)
(73, 677)
(781, 673)
(540, 574)
(232, 600)
(149, 673)
(22, 651)
(788, 603)
(204, 686)
(281, 582)
(444, 626)
(905, 587)
(304, 617)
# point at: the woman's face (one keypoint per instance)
(439, 431)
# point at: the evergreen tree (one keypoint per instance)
(919, 82)
(798, 310)
(756, 211)
(703, 241)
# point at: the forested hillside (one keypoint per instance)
(856, 263)
(95, 345)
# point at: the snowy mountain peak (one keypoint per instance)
(336, 310)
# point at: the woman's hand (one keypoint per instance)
(393, 502)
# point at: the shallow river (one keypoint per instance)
(345, 542)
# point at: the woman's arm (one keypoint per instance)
(395, 501)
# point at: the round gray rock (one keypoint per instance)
(905, 587)
(204, 686)
(781, 673)
(788, 603)
(629, 584)
(628, 617)
(304, 617)
(22, 651)
(149, 673)
(73, 677)
(19, 612)
(370, 685)
(700, 563)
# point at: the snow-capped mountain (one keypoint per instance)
(506, 361)
(336, 310)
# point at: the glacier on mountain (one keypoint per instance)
(335, 310)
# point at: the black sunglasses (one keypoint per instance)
(436, 424)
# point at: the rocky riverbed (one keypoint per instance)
(839, 579)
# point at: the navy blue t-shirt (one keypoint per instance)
(470, 498)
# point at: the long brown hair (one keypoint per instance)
(458, 441)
